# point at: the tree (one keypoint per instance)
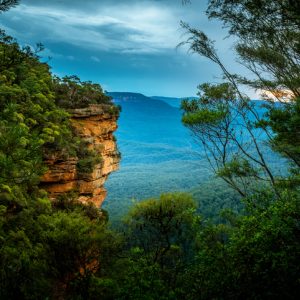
(263, 28)
(264, 251)
(255, 256)
(262, 34)
(233, 130)
(161, 240)
(71, 92)
(7, 4)
(157, 225)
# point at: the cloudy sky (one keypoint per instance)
(125, 45)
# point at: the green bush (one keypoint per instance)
(86, 165)
(71, 92)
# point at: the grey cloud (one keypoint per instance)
(115, 26)
(109, 25)
(134, 41)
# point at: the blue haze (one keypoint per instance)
(159, 155)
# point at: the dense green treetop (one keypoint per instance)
(7, 4)
(71, 92)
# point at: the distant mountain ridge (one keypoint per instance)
(127, 97)
(158, 101)
(141, 105)
(123, 97)
(144, 119)
(173, 101)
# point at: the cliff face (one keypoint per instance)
(95, 124)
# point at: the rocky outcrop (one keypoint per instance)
(95, 124)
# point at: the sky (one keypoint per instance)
(124, 45)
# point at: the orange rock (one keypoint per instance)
(60, 171)
(95, 124)
(88, 187)
(60, 188)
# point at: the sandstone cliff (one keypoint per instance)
(95, 124)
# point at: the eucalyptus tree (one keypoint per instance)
(7, 4)
(234, 132)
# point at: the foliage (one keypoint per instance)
(158, 225)
(262, 30)
(71, 92)
(255, 256)
(286, 124)
(86, 165)
(87, 159)
(47, 250)
(251, 256)
(7, 4)
(223, 121)
(29, 119)
(255, 259)
(43, 251)
(160, 237)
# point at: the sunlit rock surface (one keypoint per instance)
(95, 124)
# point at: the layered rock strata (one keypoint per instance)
(95, 124)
